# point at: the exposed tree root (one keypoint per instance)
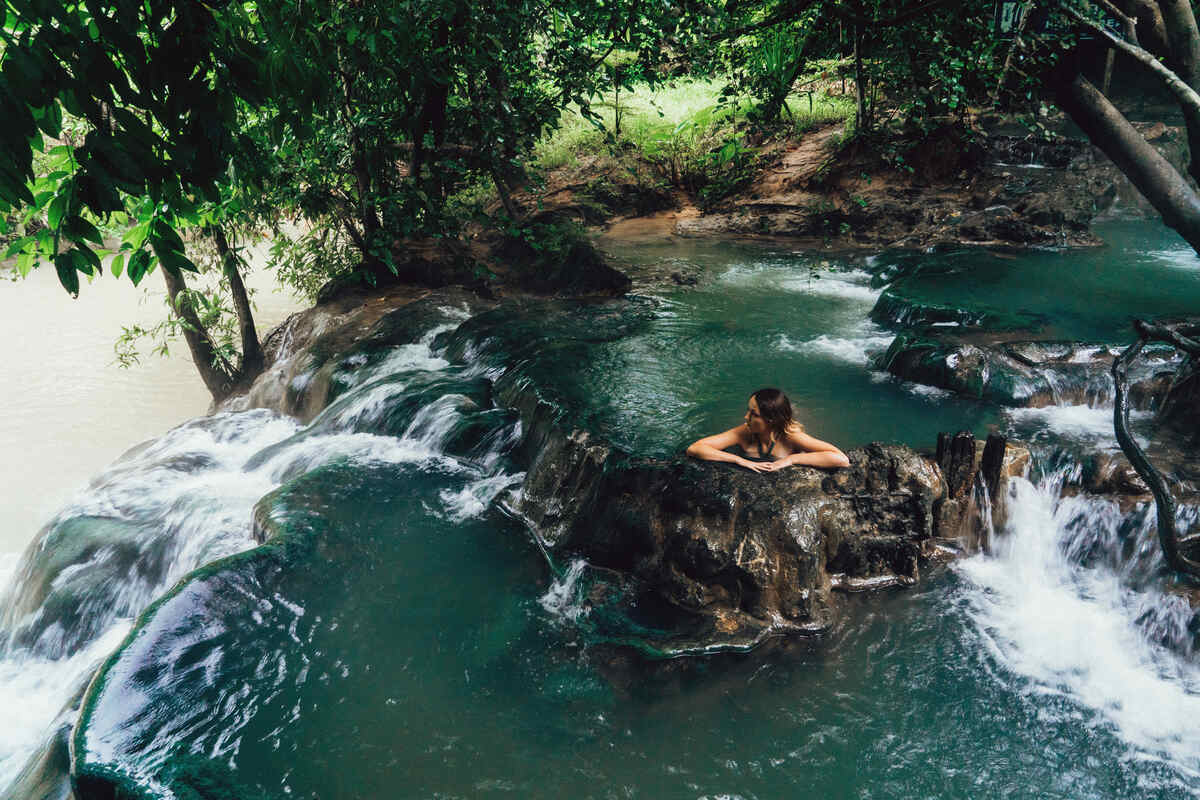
(1179, 551)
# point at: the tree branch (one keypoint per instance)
(886, 22)
(1165, 333)
(791, 12)
(778, 18)
(1129, 22)
(215, 371)
(252, 353)
(1165, 505)
(1185, 95)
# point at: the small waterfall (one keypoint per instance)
(1054, 383)
(563, 599)
(1070, 604)
(186, 498)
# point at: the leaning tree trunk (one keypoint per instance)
(1161, 184)
(252, 352)
(1179, 24)
(217, 373)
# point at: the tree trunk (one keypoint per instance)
(368, 217)
(1151, 33)
(252, 353)
(1179, 24)
(215, 371)
(864, 122)
(1152, 174)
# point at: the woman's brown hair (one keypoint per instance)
(775, 410)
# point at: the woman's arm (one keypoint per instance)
(812, 453)
(712, 448)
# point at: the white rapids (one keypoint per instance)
(1117, 655)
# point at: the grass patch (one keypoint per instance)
(684, 132)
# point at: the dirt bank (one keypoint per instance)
(991, 185)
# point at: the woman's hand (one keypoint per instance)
(757, 466)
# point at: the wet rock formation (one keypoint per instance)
(726, 556)
(737, 556)
(316, 354)
(896, 310)
(1181, 408)
(1024, 373)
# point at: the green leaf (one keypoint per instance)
(86, 260)
(54, 213)
(18, 246)
(139, 264)
(13, 187)
(117, 265)
(79, 229)
(45, 242)
(135, 237)
(51, 121)
(59, 157)
(166, 235)
(174, 260)
(25, 263)
(64, 264)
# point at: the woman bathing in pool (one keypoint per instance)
(770, 439)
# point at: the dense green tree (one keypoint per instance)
(414, 100)
(363, 117)
(159, 91)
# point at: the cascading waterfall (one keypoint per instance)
(419, 629)
(186, 499)
(1065, 613)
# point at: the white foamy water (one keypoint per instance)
(477, 496)
(34, 690)
(1076, 421)
(1182, 257)
(1077, 634)
(189, 488)
(857, 348)
(190, 495)
(921, 390)
(562, 600)
(932, 393)
(847, 285)
(844, 284)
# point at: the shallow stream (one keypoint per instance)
(404, 636)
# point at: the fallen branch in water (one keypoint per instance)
(1173, 545)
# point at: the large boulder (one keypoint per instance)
(738, 555)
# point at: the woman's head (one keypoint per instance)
(768, 411)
